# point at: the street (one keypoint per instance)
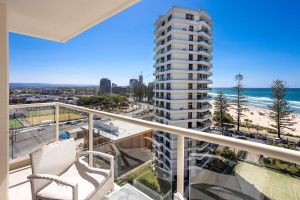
(29, 139)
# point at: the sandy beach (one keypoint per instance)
(260, 116)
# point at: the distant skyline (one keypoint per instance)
(259, 39)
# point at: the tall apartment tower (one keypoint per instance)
(105, 86)
(183, 47)
(141, 82)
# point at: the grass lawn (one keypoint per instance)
(62, 118)
(133, 175)
(159, 185)
(48, 111)
(41, 112)
(145, 176)
(273, 184)
(15, 123)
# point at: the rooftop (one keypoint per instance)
(118, 130)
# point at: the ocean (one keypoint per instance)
(261, 97)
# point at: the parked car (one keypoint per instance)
(242, 138)
(41, 129)
(264, 137)
(258, 136)
(284, 141)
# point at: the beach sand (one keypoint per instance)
(260, 117)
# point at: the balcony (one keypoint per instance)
(205, 43)
(184, 71)
(186, 61)
(137, 163)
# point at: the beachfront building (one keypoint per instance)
(182, 70)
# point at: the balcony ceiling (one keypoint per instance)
(59, 20)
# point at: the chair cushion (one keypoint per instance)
(88, 179)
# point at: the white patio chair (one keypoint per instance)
(59, 173)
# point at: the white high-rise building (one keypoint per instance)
(183, 47)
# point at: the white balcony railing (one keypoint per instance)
(181, 133)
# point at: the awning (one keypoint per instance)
(59, 20)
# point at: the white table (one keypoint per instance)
(127, 192)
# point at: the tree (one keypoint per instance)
(221, 106)
(139, 93)
(150, 93)
(227, 117)
(280, 113)
(239, 102)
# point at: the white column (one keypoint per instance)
(180, 164)
(4, 104)
(91, 138)
(57, 121)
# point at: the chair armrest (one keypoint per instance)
(178, 196)
(58, 180)
(104, 155)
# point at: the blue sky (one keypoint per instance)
(260, 39)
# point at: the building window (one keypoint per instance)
(169, 28)
(169, 18)
(199, 86)
(169, 57)
(168, 86)
(168, 76)
(169, 37)
(191, 47)
(190, 86)
(168, 66)
(199, 57)
(200, 38)
(191, 28)
(190, 76)
(189, 16)
(190, 105)
(190, 115)
(190, 56)
(198, 115)
(169, 96)
(168, 106)
(190, 143)
(162, 33)
(168, 163)
(167, 153)
(190, 96)
(163, 23)
(199, 67)
(198, 124)
(199, 76)
(190, 125)
(190, 66)
(199, 105)
(191, 38)
(169, 48)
